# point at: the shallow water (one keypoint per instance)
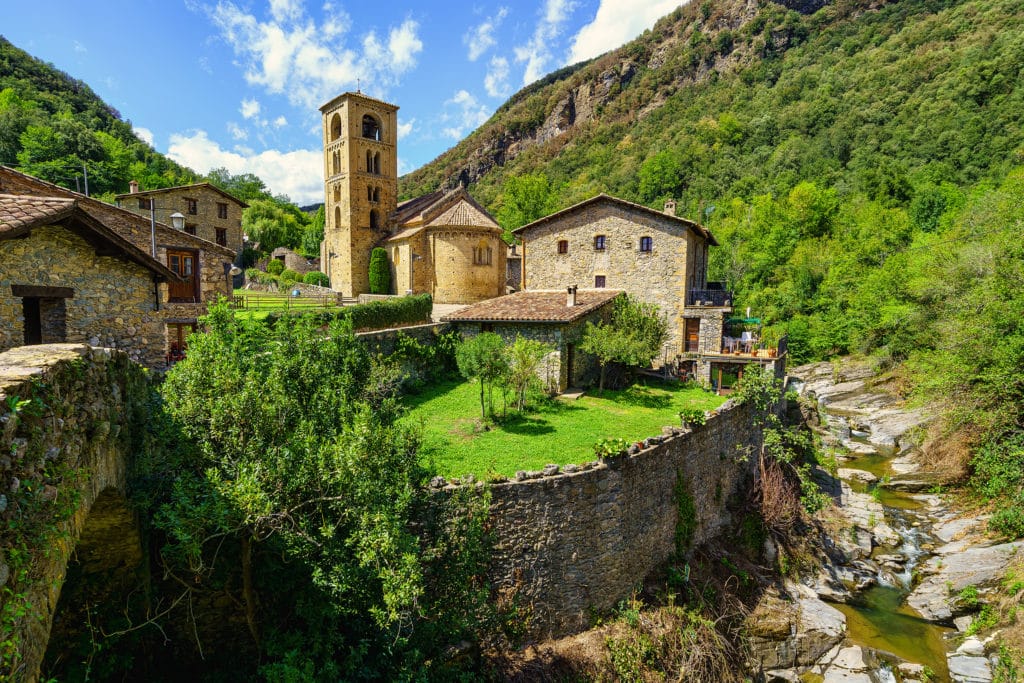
(881, 621)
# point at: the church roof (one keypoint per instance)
(535, 305)
(440, 209)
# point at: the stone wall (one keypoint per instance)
(576, 541)
(383, 341)
(205, 221)
(457, 279)
(62, 452)
(113, 302)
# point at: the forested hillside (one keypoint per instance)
(860, 165)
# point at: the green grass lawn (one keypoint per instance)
(558, 431)
(259, 305)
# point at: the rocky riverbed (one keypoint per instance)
(887, 604)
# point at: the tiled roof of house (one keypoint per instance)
(542, 306)
(19, 212)
(131, 226)
(639, 208)
(193, 186)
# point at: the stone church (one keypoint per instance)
(444, 244)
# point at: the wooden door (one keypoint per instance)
(184, 264)
(692, 335)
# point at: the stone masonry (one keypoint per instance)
(576, 540)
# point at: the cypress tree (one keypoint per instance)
(380, 272)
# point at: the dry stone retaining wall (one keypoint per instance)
(576, 541)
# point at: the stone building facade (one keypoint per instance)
(210, 213)
(651, 255)
(556, 318)
(199, 270)
(443, 244)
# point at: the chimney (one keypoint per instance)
(570, 299)
(670, 207)
(133, 186)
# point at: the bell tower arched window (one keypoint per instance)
(374, 219)
(371, 128)
(335, 127)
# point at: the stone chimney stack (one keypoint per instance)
(570, 299)
(670, 207)
(133, 186)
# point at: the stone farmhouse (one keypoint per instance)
(654, 256)
(210, 213)
(446, 245)
(557, 318)
(98, 260)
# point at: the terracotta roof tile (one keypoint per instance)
(464, 213)
(544, 306)
(22, 211)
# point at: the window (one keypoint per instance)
(481, 256)
(374, 219)
(184, 264)
(563, 246)
(645, 244)
(145, 204)
(177, 340)
(190, 228)
(222, 237)
(371, 129)
(193, 206)
(335, 127)
(598, 242)
(222, 210)
(599, 281)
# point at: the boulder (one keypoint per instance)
(795, 633)
(969, 669)
(955, 567)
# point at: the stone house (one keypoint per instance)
(66, 277)
(652, 255)
(443, 244)
(295, 261)
(202, 269)
(555, 317)
(210, 213)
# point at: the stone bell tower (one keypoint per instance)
(360, 136)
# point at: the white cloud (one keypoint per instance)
(405, 127)
(496, 80)
(237, 132)
(80, 48)
(290, 54)
(537, 52)
(296, 174)
(480, 39)
(280, 121)
(249, 108)
(616, 23)
(144, 134)
(463, 113)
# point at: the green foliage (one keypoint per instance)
(610, 447)
(315, 277)
(524, 362)
(275, 267)
(686, 519)
(693, 416)
(374, 315)
(288, 275)
(524, 199)
(634, 337)
(380, 271)
(482, 358)
(272, 223)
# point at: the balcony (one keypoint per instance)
(709, 297)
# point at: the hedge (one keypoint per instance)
(317, 278)
(377, 315)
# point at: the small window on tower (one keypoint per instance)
(371, 129)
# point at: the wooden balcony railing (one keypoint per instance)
(709, 297)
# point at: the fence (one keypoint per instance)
(282, 302)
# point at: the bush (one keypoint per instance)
(317, 278)
(275, 267)
(380, 271)
(377, 315)
(289, 275)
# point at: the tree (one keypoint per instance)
(634, 337)
(380, 271)
(313, 235)
(524, 199)
(272, 224)
(245, 186)
(660, 176)
(524, 359)
(482, 358)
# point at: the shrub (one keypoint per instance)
(380, 271)
(275, 267)
(317, 278)
(693, 416)
(253, 274)
(289, 275)
(377, 315)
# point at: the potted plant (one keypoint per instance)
(770, 337)
(610, 448)
(692, 418)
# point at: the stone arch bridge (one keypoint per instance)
(69, 423)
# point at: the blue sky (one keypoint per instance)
(238, 83)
